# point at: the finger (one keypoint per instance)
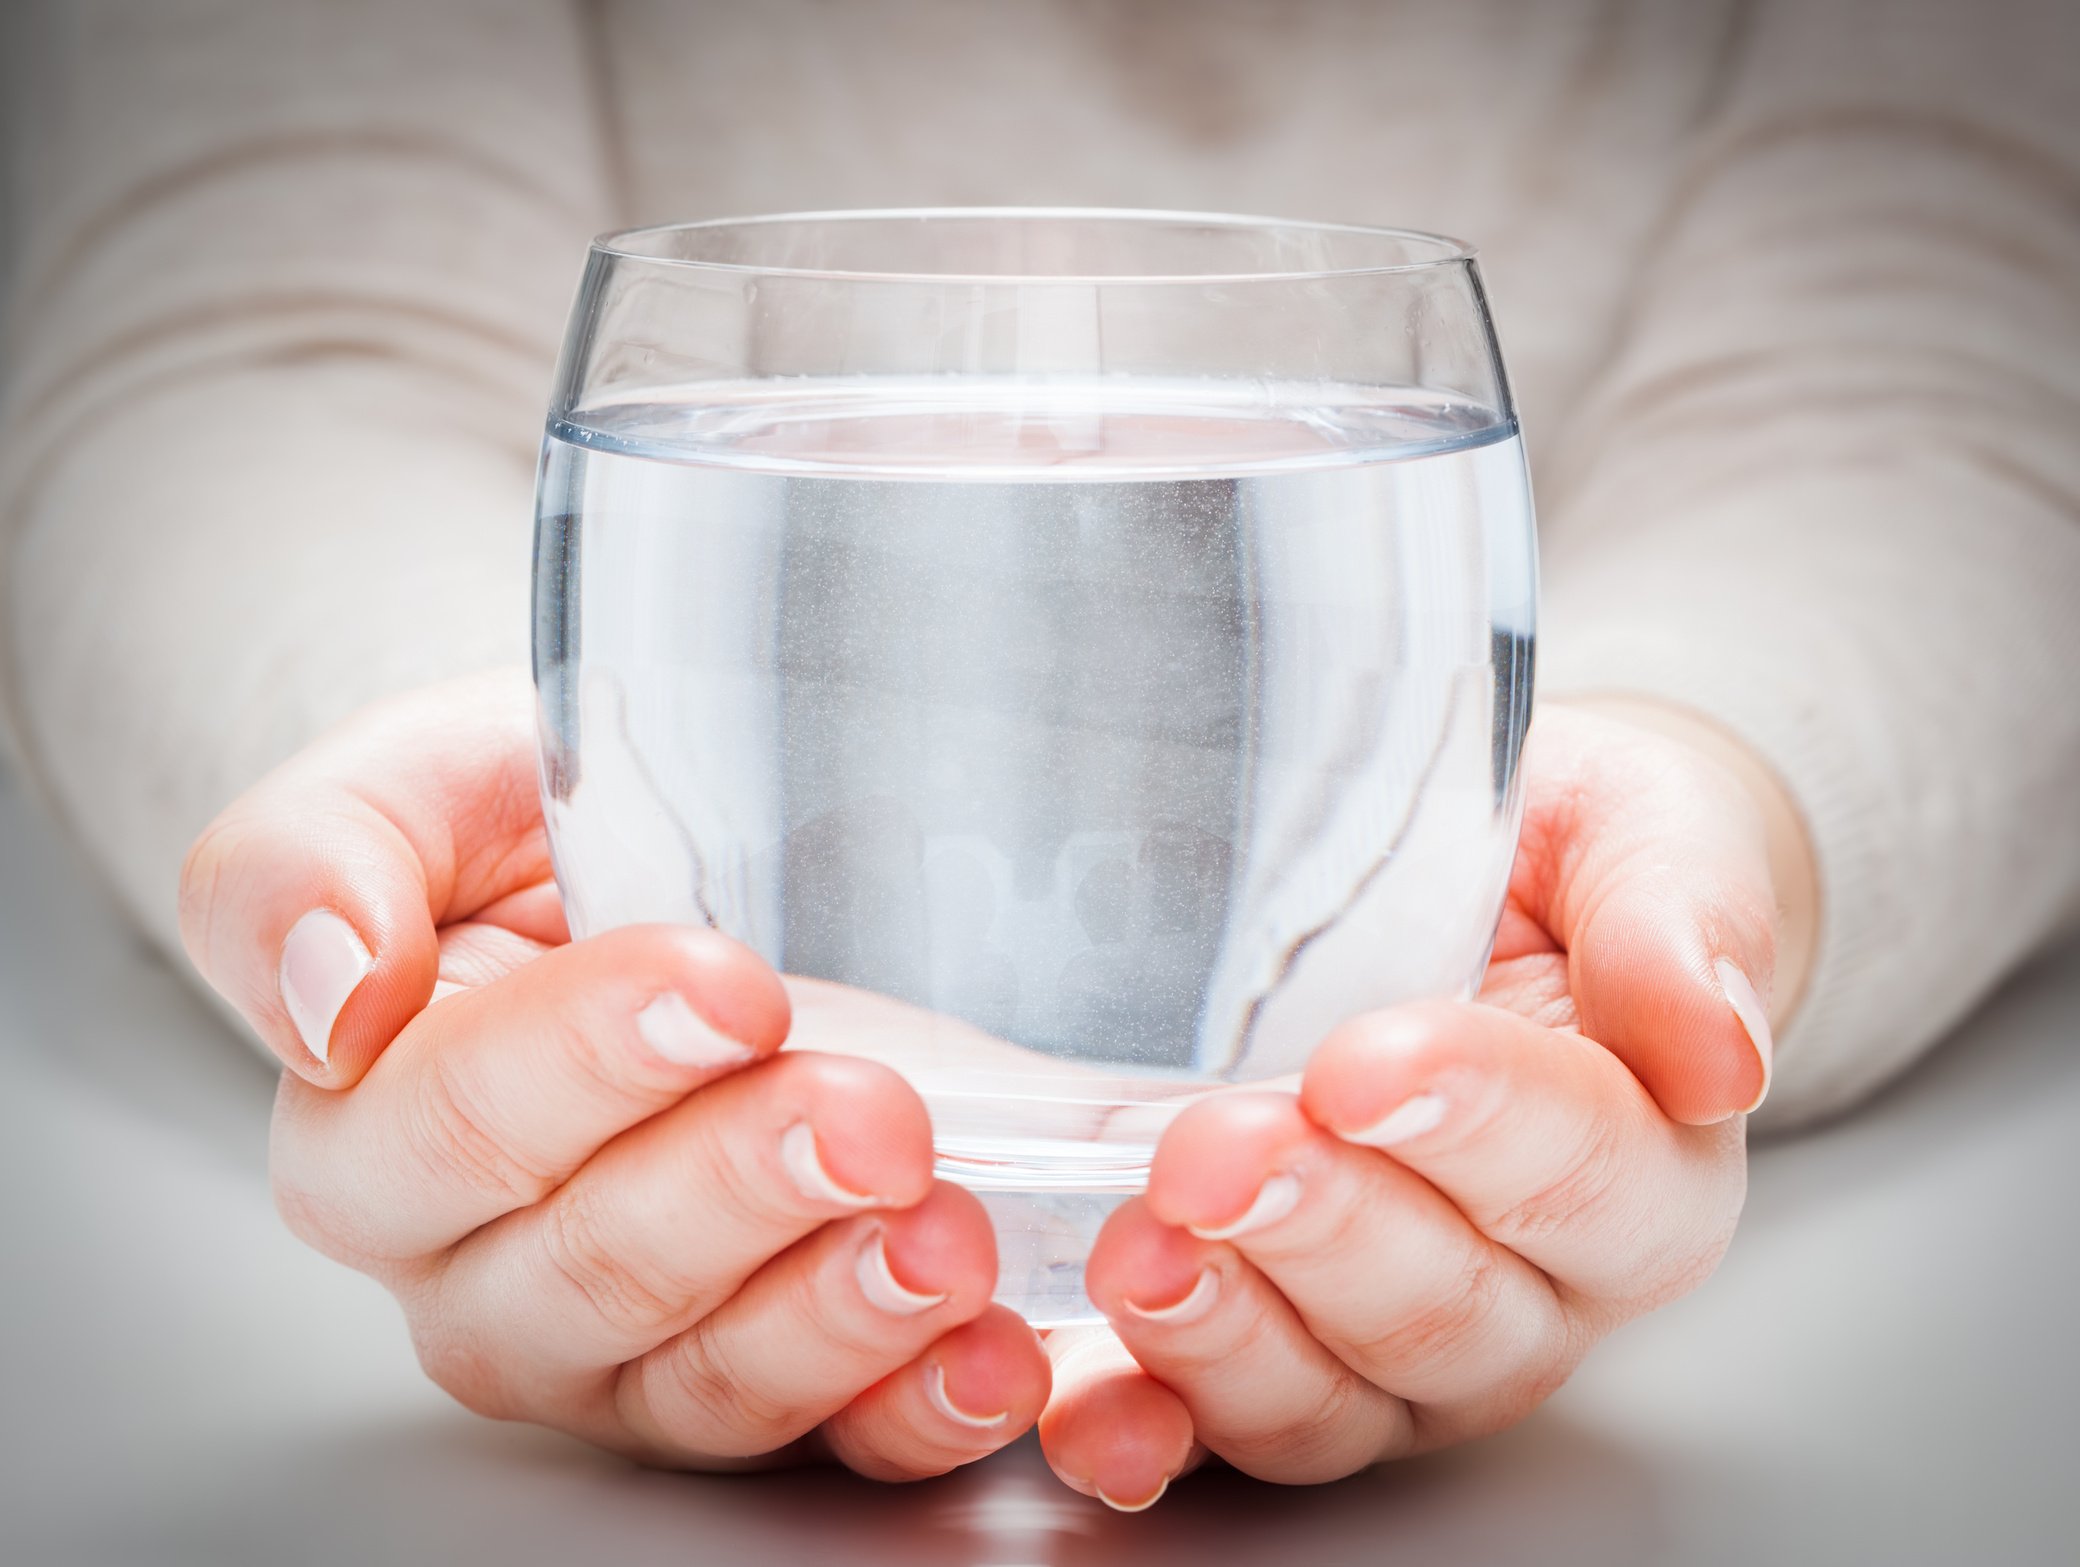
(476, 953)
(1382, 1270)
(1262, 1390)
(535, 913)
(977, 1388)
(311, 904)
(669, 1221)
(1110, 1430)
(1663, 973)
(1541, 1138)
(812, 1330)
(492, 1098)
(1656, 877)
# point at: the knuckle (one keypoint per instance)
(1689, 1260)
(1443, 1332)
(879, 1443)
(900, 1468)
(1514, 1390)
(1689, 1268)
(1523, 1395)
(463, 1366)
(705, 1401)
(1436, 1426)
(1584, 1186)
(633, 1302)
(1514, 1396)
(308, 1203)
(316, 1222)
(731, 1179)
(1685, 1250)
(868, 1453)
(460, 1145)
(1351, 1227)
(1331, 1435)
(598, 1074)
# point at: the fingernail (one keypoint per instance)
(882, 1288)
(1196, 1303)
(682, 1036)
(805, 1168)
(941, 1400)
(1276, 1198)
(323, 961)
(1412, 1117)
(1747, 1005)
(1133, 1507)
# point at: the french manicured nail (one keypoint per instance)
(1276, 1198)
(682, 1036)
(941, 1400)
(1133, 1507)
(1415, 1115)
(884, 1291)
(804, 1167)
(1197, 1301)
(1747, 1005)
(323, 960)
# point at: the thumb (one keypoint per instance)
(1670, 973)
(312, 904)
(1665, 902)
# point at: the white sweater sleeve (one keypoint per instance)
(282, 339)
(1828, 491)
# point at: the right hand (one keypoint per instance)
(605, 1197)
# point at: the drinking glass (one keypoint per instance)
(1086, 651)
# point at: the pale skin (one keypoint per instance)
(610, 1202)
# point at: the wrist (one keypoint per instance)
(1794, 869)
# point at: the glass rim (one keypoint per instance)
(622, 245)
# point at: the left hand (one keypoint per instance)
(1418, 1246)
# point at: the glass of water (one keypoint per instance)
(1087, 651)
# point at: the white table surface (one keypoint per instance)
(1886, 1370)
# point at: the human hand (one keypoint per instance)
(604, 1198)
(1418, 1246)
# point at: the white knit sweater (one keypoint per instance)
(1790, 290)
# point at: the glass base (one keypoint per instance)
(1043, 1239)
(1050, 1158)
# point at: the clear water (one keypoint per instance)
(1079, 747)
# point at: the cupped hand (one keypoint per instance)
(606, 1200)
(1419, 1244)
